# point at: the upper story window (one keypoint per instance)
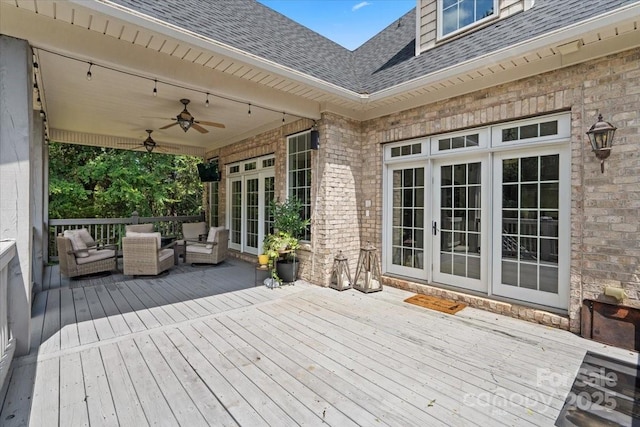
(457, 15)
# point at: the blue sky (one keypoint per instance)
(349, 23)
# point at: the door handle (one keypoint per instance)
(434, 227)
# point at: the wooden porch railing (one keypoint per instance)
(111, 230)
(7, 342)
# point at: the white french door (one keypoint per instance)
(531, 226)
(408, 231)
(485, 209)
(251, 187)
(234, 206)
(459, 234)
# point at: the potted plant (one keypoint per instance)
(281, 245)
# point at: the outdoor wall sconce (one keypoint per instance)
(315, 137)
(601, 138)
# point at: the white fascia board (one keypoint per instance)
(554, 38)
(133, 17)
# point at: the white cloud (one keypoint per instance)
(360, 5)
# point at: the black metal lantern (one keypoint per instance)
(601, 138)
(368, 271)
(340, 276)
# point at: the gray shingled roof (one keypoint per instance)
(384, 61)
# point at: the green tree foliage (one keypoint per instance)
(91, 182)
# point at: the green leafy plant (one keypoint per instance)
(288, 228)
(287, 217)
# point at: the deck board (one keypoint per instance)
(100, 406)
(204, 346)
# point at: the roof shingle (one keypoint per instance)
(388, 59)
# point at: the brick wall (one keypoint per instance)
(605, 216)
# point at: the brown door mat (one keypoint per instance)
(434, 303)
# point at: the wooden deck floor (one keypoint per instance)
(205, 347)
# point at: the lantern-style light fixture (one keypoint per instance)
(601, 138)
(368, 271)
(149, 144)
(340, 276)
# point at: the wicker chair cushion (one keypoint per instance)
(139, 228)
(77, 243)
(157, 235)
(96, 255)
(199, 249)
(213, 232)
(193, 230)
(165, 254)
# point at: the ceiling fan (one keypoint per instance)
(148, 144)
(186, 120)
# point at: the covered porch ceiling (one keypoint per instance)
(131, 51)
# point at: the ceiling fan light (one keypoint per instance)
(185, 124)
(149, 144)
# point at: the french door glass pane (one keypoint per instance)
(408, 217)
(252, 213)
(236, 211)
(530, 200)
(460, 190)
(269, 195)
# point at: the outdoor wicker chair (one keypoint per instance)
(79, 255)
(144, 256)
(213, 251)
(192, 231)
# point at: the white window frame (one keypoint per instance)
(288, 181)
(440, 19)
(564, 131)
(483, 141)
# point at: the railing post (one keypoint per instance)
(135, 218)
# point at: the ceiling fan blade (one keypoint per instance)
(218, 125)
(199, 128)
(169, 125)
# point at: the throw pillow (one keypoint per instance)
(78, 245)
(86, 237)
(213, 232)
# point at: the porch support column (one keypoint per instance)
(37, 201)
(337, 174)
(16, 179)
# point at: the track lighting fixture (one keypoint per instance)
(35, 65)
(249, 109)
(206, 104)
(283, 113)
(155, 87)
(89, 71)
(42, 114)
